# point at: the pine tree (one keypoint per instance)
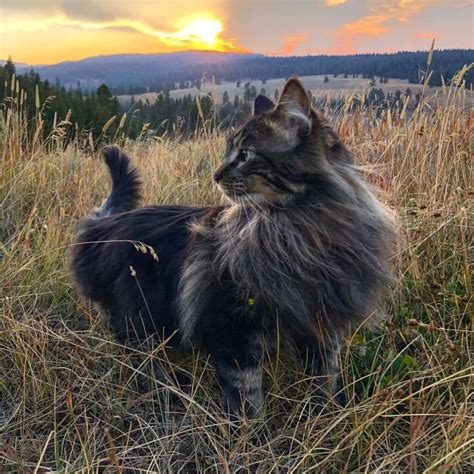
(103, 94)
(10, 67)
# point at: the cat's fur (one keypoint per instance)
(300, 254)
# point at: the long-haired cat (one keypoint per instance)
(300, 254)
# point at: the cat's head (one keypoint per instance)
(281, 152)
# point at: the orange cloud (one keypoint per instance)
(290, 43)
(427, 35)
(384, 15)
(373, 26)
(335, 3)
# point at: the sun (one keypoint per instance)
(199, 32)
(202, 30)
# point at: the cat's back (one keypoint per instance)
(148, 241)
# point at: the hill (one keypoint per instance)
(137, 73)
(139, 70)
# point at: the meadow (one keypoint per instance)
(71, 400)
(339, 87)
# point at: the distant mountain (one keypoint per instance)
(135, 73)
(18, 65)
(138, 70)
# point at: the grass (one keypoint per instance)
(71, 401)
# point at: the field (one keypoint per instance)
(71, 401)
(337, 87)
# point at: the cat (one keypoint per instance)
(299, 255)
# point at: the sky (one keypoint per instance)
(51, 31)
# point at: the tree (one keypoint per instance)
(10, 67)
(326, 79)
(103, 94)
(253, 92)
(225, 98)
(249, 93)
(276, 95)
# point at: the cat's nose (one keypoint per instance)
(219, 174)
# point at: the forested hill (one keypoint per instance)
(154, 72)
(141, 71)
(403, 65)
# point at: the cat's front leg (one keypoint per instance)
(321, 361)
(236, 354)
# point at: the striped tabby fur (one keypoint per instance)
(302, 251)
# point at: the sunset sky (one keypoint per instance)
(49, 31)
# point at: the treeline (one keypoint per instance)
(99, 115)
(377, 100)
(140, 73)
(404, 65)
(87, 110)
(184, 116)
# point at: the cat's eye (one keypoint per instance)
(243, 156)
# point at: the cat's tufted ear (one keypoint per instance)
(262, 104)
(294, 98)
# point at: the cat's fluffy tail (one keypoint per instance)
(126, 185)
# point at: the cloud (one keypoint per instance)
(290, 43)
(75, 29)
(199, 31)
(87, 10)
(335, 3)
(383, 18)
(427, 35)
(157, 13)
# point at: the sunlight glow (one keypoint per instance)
(200, 30)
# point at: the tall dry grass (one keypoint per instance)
(71, 401)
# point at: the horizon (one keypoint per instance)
(362, 53)
(30, 29)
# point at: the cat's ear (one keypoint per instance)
(294, 98)
(262, 104)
